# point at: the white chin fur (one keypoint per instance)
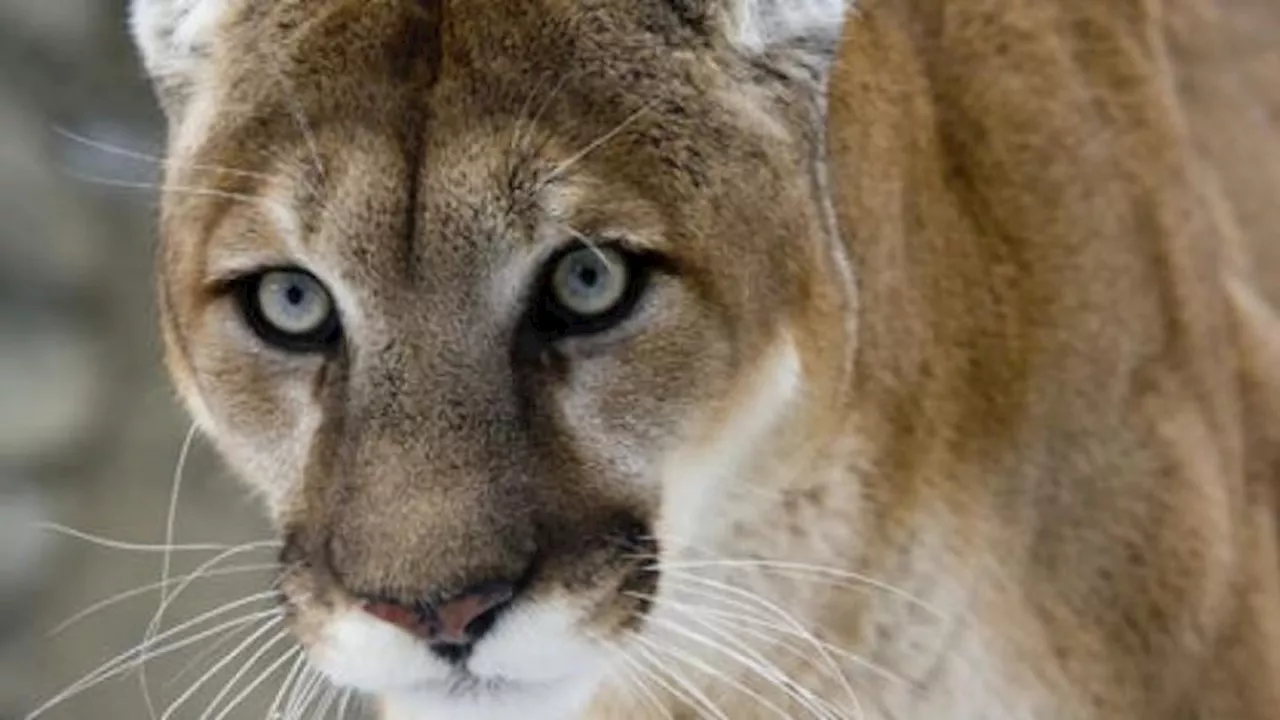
(562, 701)
(533, 665)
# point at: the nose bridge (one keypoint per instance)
(435, 499)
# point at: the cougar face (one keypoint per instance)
(489, 301)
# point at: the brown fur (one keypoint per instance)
(1060, 424)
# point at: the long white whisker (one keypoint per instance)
(173, 189)
(122, 664)
(230, 657)
(170, 525)
(166, 562)
(749, 658)
(692, 660)
(153, 159)
(327, 702)
(314, 691)
(262, 677)
(648, 649)
(857, 581)
(144, 589)
(741, 622)
(655, 673)
(290, 678)
(129, 546)
(144, 651)
(301, 696)
(345, 704)
(782, 615)
(636, 674)
(206, 653)
(728, 630)
(153, 627)
(635, 681)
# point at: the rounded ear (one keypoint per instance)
(173, 37)
(796, 38)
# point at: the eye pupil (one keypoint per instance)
(290, 309)
(591, 287)
(588, 275)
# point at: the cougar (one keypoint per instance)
(610, 359)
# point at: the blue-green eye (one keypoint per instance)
(590, 281)
(590, 288)
(291, 309)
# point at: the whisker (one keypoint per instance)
(635, 675)
(171, 189)
(206, 653)
(690, 659)
(230, 657)
(517, 126)
(545, 105)
(330, 697)
(590, 244)
(132, 546)
(559, 170)
(736, 621)
(172, 518)
(636, 681)
(750, 659)
(803, 570)
(727, 630)
(345, 704)
(301, 697)
(166, 561)
(153, 159)
(648, 648)
(295, 672)
(167, 600)
(314, 693)
(783, 615)
(143, 650)
(122, 664)
(144, 589)
(653, 674)
(262, 677)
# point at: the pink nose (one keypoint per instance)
(459, 621)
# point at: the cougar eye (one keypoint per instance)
(590, 281)
(290, 309)
(589, 288)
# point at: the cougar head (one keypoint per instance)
(494, 303)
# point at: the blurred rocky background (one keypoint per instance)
(89, 434)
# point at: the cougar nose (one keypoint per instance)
(453, 626)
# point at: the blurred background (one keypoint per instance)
(89, 433)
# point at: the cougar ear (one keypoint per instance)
(173, 37)
(761, 26)
(795, 37)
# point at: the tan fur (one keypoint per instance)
(1036, 401)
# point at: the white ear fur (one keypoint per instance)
(172, 35)
(756, 26)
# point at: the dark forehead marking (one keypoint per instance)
(305, 65)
